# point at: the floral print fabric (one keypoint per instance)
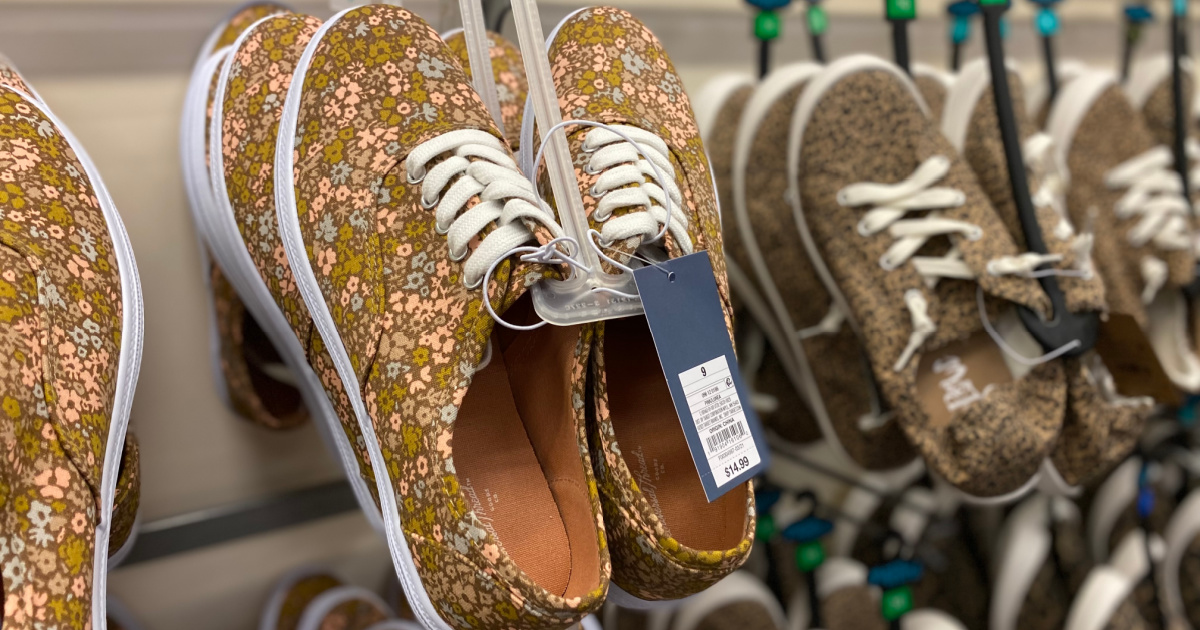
(608, 67)
(509, 74)
(60, 338)
(380, 83)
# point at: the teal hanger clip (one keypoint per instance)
(960, 13)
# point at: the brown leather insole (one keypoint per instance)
(655, 449)
(958, 374)
(517, 455)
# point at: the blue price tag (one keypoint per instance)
(684, 312)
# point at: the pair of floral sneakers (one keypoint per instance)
(514, 473)
(881, 255)
(70, 351)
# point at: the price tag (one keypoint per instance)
(684, 312)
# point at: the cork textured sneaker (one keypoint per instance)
(830, 361)
(71, 342)
(763, 354)
(396, 197)
(1123, 183)
(1037, 94)
(509, 74)
(934, 85)
(249, 373)
(1101, 427)
(666, 539)
(914, 256)
(1149, 90)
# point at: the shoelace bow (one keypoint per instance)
(890, 203)
(480, 166)
(1154, 194)
(634, 166)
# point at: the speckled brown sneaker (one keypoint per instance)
(1122, 183)
(1042, 562)
(763, 353)
(853, 179)
(1149, 90)
(249, 373)
(1101, 427)
(830, 362)
(666, 539)
(934, 86)
(1037, 94)
(509, 74)
(396, 195)
(71, 342)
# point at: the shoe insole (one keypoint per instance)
(957, 375)
(655, 450)
(280, 399)
(503, 480)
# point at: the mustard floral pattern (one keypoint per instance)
(509, 73)
(10, 77)
(60, 339)
(610, 68)
(380, 83)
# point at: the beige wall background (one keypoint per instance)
(115, 71)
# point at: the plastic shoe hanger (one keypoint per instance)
(1137, 15)
(1070, 334)
(900, 13)
(1046, 23)
(767, 27)
(960, 13)
(817, 22)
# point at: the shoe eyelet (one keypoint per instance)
(459, 256)
(886, 263)
(975, 234)
(595, 193)
(437, 227)
(991, 268)
(862, 229)
(416, 180)
(429, 205)
(588, 170)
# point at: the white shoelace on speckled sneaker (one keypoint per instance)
(890, 203)
(1154, 196)
(479, 165)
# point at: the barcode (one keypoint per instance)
(719, 439)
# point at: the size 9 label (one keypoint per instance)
(720, 421)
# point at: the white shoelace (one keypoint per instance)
(1154, 195)
(483, 168)
(622, 157)
(1040, 158)
(890, 203)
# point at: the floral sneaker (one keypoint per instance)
(915, 257)
(1123, 183)
(1101, 426)
(508, 72)
(248, 370)
(670, 542)
(127, 499)
(829, 357)
(398, 209)
(763, 353)
(71, 338)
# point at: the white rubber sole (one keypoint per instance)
(128, 363)
(220, 230)
(962, 97)
(1024, 546)
(622, 598)
(733, 588)
(293, 242)
(1180, 532)
(778, 323)
(1072, 105)
(1104, 590)
(1117, 492)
